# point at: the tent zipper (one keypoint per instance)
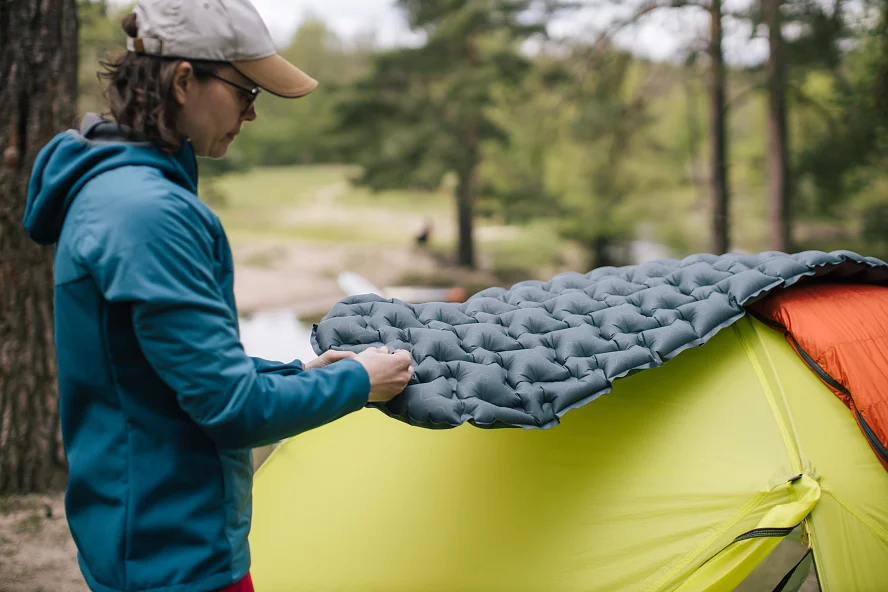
(764, 532)
(871, 436)
(820, 371)
(867, 430)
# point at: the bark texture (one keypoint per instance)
(38, 95)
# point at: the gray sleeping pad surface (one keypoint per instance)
(525, 356)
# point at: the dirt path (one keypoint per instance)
(302, 275)
(37, 553)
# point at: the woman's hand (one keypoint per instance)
(389, 372)
(327, 358)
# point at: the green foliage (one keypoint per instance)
(600, 153)
(590, 144)
(842, 163)
(298, 131)
(513, 174)
(592, 175)
(425, 112)
(100, 35)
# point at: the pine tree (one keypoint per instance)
(422, 112)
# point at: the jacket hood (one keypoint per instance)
(75, 157)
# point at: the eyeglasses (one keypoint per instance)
(249, 93)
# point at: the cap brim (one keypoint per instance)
(277, 76)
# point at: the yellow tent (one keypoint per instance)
(686, 477)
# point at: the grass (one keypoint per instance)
(263, 259)
(318, 204)
(276, 187)
(241, 233)
(425, 203)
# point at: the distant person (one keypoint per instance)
(159, 404)
(424, 234)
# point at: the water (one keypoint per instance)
(277, 335)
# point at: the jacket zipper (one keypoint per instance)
(880, 449)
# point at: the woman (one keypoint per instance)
(160, 406)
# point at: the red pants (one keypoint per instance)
(245, 585)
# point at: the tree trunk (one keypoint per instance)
(465, 207)
(38, 94)
(465, 191)
(600, 253)
(692, 118)
(721, 238)
(778, 140)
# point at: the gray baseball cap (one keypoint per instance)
(219, 30)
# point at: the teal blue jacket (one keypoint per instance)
(160, 405)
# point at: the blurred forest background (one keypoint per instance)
(593, 148)
(484, 152)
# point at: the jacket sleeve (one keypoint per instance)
(269, 367)
(189, 335)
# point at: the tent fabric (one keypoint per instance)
(683, 478)
(841, 331)
(526, 356)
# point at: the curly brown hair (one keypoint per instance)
(139, 91)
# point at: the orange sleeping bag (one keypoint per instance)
(841, 331)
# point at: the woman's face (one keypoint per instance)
(213, 110)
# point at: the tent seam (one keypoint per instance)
(874, 528)
(787, 432)
(789, 440)
(823, 574)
